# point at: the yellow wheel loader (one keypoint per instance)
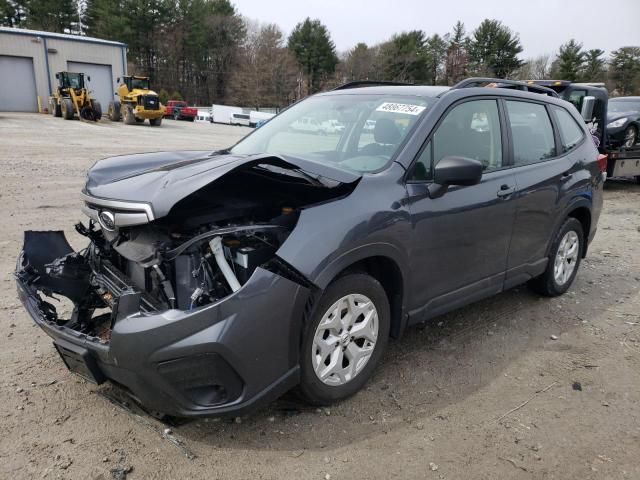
(136, 102)
(71, 98)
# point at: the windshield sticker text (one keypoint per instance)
(400, 108)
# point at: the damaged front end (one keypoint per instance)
(191, 311)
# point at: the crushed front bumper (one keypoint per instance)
(224, 358)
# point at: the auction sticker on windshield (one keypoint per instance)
(400, 108)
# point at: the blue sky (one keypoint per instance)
(542, 24)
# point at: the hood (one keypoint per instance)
(612, 116)
(162, 179)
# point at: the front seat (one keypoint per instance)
(386, 135)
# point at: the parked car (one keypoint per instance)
(623, 121)
(223, 113)
(330, 127)
(216, 281)
(241, 119)
(179, 110)
(306, 124)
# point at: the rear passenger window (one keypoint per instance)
(531, 131)
(570, 132)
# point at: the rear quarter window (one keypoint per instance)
(571, 132)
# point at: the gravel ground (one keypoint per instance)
(515, 386)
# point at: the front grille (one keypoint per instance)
(151, 102)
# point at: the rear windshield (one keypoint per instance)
(360, 132)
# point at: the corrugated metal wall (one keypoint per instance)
(58, 51)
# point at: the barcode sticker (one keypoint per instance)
(400, 108)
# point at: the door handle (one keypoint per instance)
(505, 190)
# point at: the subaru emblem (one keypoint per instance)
(107, 220)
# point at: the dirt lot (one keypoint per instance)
(443, 405)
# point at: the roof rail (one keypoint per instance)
(502, 83)
(368, 83)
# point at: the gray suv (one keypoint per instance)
(215, 281)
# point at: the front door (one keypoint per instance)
(461, 240)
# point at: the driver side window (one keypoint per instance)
(471, 130)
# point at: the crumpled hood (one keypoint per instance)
(162, 179)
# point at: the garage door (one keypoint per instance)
(101, 84)
(18, 90)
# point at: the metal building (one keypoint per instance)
(29, 60)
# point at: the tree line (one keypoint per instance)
(205, 52)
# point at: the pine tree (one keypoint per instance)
(13, 13)
(311, 43)
(594, 66)
(58, 16)
(457, 57)
(494, 49)
(625, 70)
(570, 61)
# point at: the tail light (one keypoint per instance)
(602, 162)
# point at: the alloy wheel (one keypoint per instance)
(345, 339)
(566, 257)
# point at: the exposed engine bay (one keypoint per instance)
(206, 248)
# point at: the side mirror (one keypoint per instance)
(588, 103)
(118, 80)
(454, 171)
(57, 76)
(88, 78)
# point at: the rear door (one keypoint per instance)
(460, 240)
(544, 171)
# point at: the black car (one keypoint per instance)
(623, 121)
(215, 281)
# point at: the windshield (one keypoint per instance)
(72, 80)
(141, 83)
(624, 105)
(359, 132)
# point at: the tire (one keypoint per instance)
(54, 108)
(115, 111)
(97, 110)
(336, 386)
(548, 284)
(67, 108)
(155, 122)
(128, 117)
(139, 120)
(192, 119)
(176, 115)
(638, 179)
(630, 136)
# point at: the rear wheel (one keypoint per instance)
(139, 120)
(176, 115)
(67, 108)
(344, 339)
(155, 122)
(97, 110)
(564, 260)
(630, 136)
(113, 112)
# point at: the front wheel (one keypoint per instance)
(344, 339)
(564, 260)
(155, 122)
(630, 136)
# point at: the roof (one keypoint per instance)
(409, 90)
(61, 36)
(624, 99)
